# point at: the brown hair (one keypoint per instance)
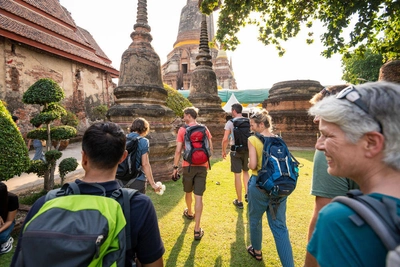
(192, 111)
(141, 126)
(327, 91)
(263, 117)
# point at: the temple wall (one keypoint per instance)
(21, 66)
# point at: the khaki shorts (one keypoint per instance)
(195, 180)
(239, 161)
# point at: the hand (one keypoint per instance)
(223, 154)
(156, 187)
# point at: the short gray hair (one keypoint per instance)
(383, 102)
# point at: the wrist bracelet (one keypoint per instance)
(175, 167)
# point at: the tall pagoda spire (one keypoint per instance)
(140, 93)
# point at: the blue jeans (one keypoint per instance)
(258, 204)
(37, 145)
(5, 235)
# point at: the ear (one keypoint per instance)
(374, 144)
(123, 156)
(84, 160)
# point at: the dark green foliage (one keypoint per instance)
(53, 155)
(70, 119)
(14, 158)
(38, 167)
(40, 134)
(62, 132)
(67, 165)
(176, 101)
(31, 198)
(359, 68)
(42, 92)
(349, 25)
(100, 112)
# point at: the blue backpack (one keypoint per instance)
(279, 170)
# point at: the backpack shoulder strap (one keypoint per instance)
(123, 196)
(374, 220)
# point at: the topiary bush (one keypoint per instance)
(176, 101)
(100, 112)
(47, 93)
(14, 157)
(67, 165)
(70, 119)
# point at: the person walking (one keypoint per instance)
(103, 148)
(367, 151)
(38, 146)
(8, 210)
(139, 129)
(194, 176)
(259, 200)
(239, 153)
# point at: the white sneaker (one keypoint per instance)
(7, 246)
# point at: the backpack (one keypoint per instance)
(279, 171)
(241, 132)
(197, 146)
(127, 170)
(78, 230)
(381, 216)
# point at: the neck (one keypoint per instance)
(384, 180)
(99, 175)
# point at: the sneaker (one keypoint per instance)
(7, 246)
(238, 204)
(246, 199)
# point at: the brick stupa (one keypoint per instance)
(204, 93)
(140, 93)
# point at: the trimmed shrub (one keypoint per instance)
(14, 158)
(176, 101)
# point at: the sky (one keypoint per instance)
(255, 65)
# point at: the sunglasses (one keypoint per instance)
(255, 115)
(351, 94)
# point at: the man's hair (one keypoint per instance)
(104, 144)
(383, 102)
(141, 126)
(237, 107)
(262, 117)
(192, 111)
(15, 118)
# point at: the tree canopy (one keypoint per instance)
(361, 68)
(371, 24)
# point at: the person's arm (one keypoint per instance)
(146, 167)
(29, 144)
(320, 202)
(177, 157)
(10, 218)
(252, 156)
(225, 142)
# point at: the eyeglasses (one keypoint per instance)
(255, 115)
(351, 94)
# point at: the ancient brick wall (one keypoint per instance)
(21, 66)
(288, 104)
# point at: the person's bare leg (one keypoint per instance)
(238, 186)
(189, 200)
(245, 180)
(198, 210)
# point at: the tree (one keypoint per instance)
(176, 101)
(14, 158)
(361, 68)
(47, 93)
(377, 26)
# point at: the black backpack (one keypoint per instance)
(127, 169)
(381, 216)
(241, 132)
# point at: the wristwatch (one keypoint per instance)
(175, 167)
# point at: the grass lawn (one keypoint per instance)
(226, 228)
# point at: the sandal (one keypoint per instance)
(198, 234)
(254, 254)
(186, 214)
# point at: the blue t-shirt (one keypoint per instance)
(337, 241)
(145, 232)
(143, 147)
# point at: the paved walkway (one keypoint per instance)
(28, 181)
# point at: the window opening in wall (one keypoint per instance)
(184, 68)
(13, 49)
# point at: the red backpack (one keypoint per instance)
(197, 146)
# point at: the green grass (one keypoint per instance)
(226, 228)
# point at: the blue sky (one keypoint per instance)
(255, 65)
